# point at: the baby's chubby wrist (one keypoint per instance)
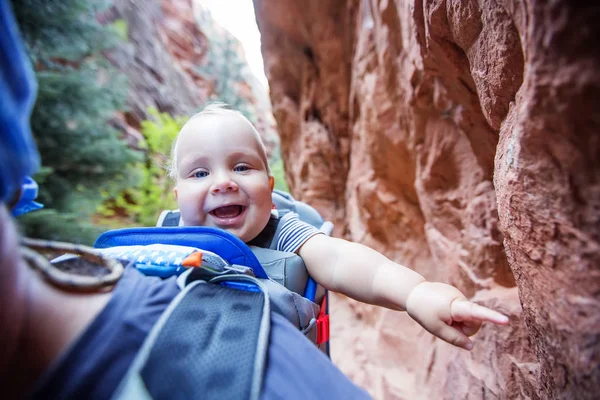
(416, 298)
(393, 283)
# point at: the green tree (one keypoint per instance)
(84, 160)
(144, 203)
(278, 171)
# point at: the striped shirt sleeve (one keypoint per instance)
(293, 233)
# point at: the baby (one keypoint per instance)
(223, 180)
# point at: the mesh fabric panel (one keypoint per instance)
(212, 357)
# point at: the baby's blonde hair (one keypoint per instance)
(220, 109)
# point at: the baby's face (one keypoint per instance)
(222, 177)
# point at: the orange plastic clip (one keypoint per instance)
(193, 260)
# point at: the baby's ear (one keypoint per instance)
(271, 183)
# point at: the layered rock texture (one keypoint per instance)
(163, 47)
(459, 137)
(168, 43)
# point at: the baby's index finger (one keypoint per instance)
(464, 310)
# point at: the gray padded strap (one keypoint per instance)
(210, 343)
(169, 218)
(285, 268)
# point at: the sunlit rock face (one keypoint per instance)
(167, 44)
(460, 138)
(163, 45)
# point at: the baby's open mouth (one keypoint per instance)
(228, 211)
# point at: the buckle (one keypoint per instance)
(323, 323)
(322, 329)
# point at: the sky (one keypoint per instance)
(237, 16)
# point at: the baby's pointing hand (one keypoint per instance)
(446, 313)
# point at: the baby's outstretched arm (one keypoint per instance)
(366, 275)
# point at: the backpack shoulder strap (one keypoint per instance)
(169, 218)
(267, 239)
(210, 343)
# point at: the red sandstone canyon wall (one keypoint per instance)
(167, 44)
(460, 138)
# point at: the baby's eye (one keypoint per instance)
(241, 168)
(200, 174)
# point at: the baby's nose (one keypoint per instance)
(224, 184)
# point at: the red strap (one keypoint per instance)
(323, 323)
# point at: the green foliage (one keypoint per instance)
(84, 159)
(278, 172)
(80, 149)
(62, 29)
(155, 192)
(122, 28)
(52, 225)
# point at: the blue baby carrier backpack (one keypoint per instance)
(221, 318)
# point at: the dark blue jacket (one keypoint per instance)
(95, 364)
